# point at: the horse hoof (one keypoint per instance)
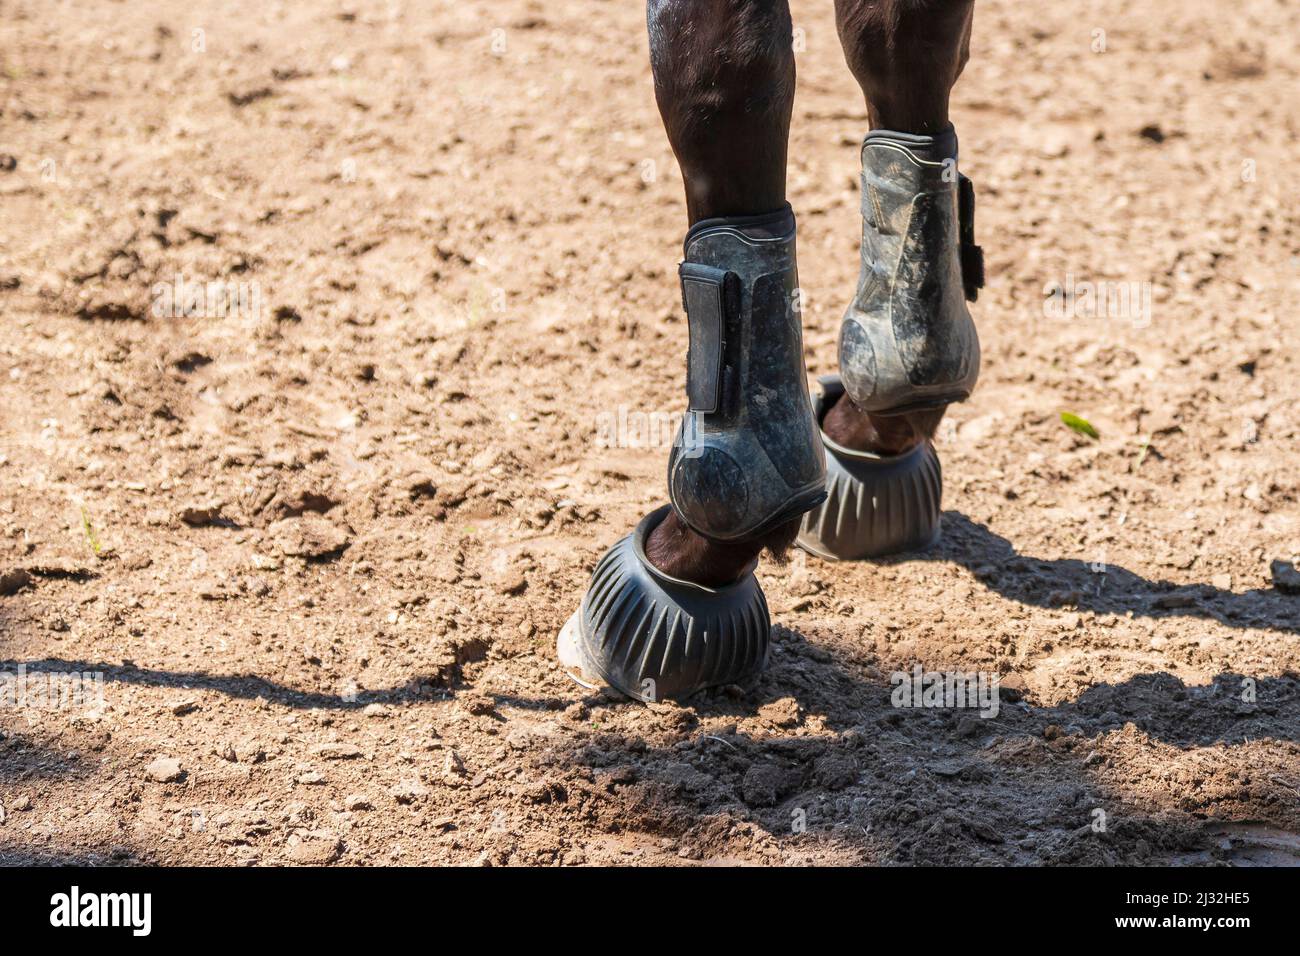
(653, 637)
(875, 504)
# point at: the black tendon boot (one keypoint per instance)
(907, 343)
(748, 458)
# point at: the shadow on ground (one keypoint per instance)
(817, 763)
(242, 686)
(1108, 589)
(817, 757)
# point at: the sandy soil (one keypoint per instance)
(318, 546)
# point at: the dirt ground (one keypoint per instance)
(317, 544)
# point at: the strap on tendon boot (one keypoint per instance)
(908, 342)
(748, 455)
(972, 256)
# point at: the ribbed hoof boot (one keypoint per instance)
(653, 637)
(875, 504)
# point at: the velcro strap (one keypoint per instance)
(972, 256)
(709, 296)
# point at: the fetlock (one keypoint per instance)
(845, 424)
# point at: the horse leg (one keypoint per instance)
(674, 607)
(724, 82)
(906, 55)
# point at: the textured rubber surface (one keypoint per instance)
(653, 637)
(907, 340)
(747, 456)
(874, 505)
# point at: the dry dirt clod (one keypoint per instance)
(510, 582)
(201, 514)
(783, 712)
(408, 791)
(420, 485)
(164, 770)
(310, 537)
(336, 751)
(13, 581)
(1286, 578)
(453, 765)
(478, 704)
(577, 712)
(315, 848)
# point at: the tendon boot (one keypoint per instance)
(875, 504)
(748, 457)
(907, 342)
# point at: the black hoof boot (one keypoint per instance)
(654, 637)
(875, 505)
(747, 457)
(908, 342)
